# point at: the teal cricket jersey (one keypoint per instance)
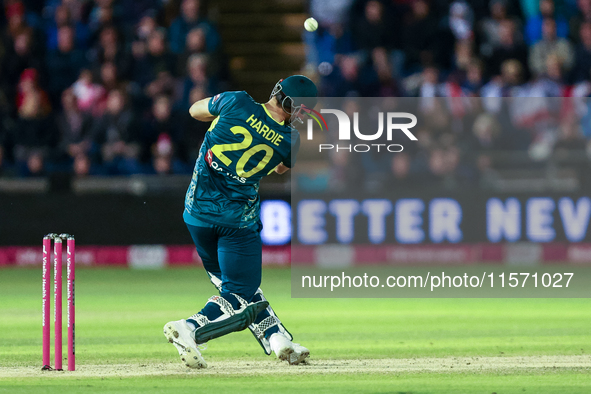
(243, 144)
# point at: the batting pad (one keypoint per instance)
(237, 322)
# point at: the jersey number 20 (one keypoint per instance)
(219, 150)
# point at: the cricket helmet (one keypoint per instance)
(296, 93)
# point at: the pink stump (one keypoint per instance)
(46, 300)
(71, 267)
(57, 293)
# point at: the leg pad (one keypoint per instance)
(236, 322)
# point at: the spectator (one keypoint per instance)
(110, 78)
(327, 45)
(82, 166)
(15, 15)
(64, 64)
(20, 56)
(330, 13)
(474, 78)
(103, 14)
(512, 76)
(164, 84)
(17, 60)
(550, 44)
(463, 54)
(134, 10)
(503, 85)
(164, 159)
(141, 74)
(455, 27)
(162, 164)
(187, 20)
(331, 37)
(63, 18)
(196, 78)
(534, 26)
(490, 27)
(420, 36)
(582, 62)
(115, 133)
(35, 132)
(74, 127)
(146, 26)
(159, 58)
(430, 83)
(35, 163)
(461, 21)
(109, 49)
(551, 83)
(31, 101)
(86, 93)
(582, 16)
(195, 45)
(507, 49)
(161, 122)
(383, 69)
(195, 41)
(376, 32)
(372, 29)
(76, 9)
(350, 78)
(162, 156)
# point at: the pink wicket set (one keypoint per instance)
(57, 299)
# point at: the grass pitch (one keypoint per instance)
(357, 345)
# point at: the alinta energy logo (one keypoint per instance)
(344, 131)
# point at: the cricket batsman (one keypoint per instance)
(245, 142)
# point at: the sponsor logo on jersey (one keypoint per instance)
(210, 160)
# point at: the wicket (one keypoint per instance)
(57, 299)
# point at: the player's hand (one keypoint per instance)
(281, 168)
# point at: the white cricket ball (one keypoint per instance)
(311, 24)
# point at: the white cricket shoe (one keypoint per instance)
(179, 334)
(293, 353)
(300, 353)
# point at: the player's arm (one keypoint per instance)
(200, 110)
(281, 168)
(290, 159)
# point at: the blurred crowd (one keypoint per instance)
(461, 143)
(520, 56)
(431, 48)
(103, 86)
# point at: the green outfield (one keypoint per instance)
(357, 345)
